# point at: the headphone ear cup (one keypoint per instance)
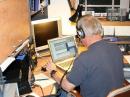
(81, 34)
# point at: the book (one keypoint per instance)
(36, 5)
(31, 3)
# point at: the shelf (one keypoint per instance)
(36, 15)
(105, 22)
(122, 42)
(33, 12)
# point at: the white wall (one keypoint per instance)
(60, 8)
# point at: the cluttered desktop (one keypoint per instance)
(47, 37)
(43, 84)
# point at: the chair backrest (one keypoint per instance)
(120, 92)
(74, 93)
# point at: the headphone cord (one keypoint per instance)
(60, 85)
(66, 71)
(36, 85)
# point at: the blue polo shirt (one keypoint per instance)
(98, 70)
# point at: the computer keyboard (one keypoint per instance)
(65, 65)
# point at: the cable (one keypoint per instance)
(51, 89)
(67, 70)
(35, 85)
(60, 86)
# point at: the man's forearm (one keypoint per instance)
(57, 77)
(65, 84)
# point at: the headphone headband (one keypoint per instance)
(90, 26)
(80, 31)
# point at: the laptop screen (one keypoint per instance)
(62, 48)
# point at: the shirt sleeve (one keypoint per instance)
(78, 72)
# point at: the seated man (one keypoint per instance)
(99, 69)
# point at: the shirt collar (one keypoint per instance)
(94, 45)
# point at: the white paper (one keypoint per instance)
(43, 83)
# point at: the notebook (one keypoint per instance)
(63, 51)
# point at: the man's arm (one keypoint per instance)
(65, 84)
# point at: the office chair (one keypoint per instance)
(120, 92)
(74, 93)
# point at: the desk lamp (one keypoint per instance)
(78, 12)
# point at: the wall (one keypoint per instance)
(60, 8)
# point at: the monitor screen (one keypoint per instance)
(62, 48)
(45, 29)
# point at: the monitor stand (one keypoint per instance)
(43, 53)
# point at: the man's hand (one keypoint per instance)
(50, 66)
(66, 85)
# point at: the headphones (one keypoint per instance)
(80, 32)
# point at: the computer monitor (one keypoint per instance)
(45, 29)
(62, 48)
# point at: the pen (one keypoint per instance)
(41, 79)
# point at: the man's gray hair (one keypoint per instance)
(90, 25)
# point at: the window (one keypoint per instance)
(100, 6)
(99, 2)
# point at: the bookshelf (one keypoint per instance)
(38, 5)
(39, 9)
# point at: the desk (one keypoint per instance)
(125, 45)
(122, 42)
(41, 62)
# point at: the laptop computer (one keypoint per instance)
(63, 51)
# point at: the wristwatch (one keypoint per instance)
(53, 72)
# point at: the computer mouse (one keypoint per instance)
(29, 96)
